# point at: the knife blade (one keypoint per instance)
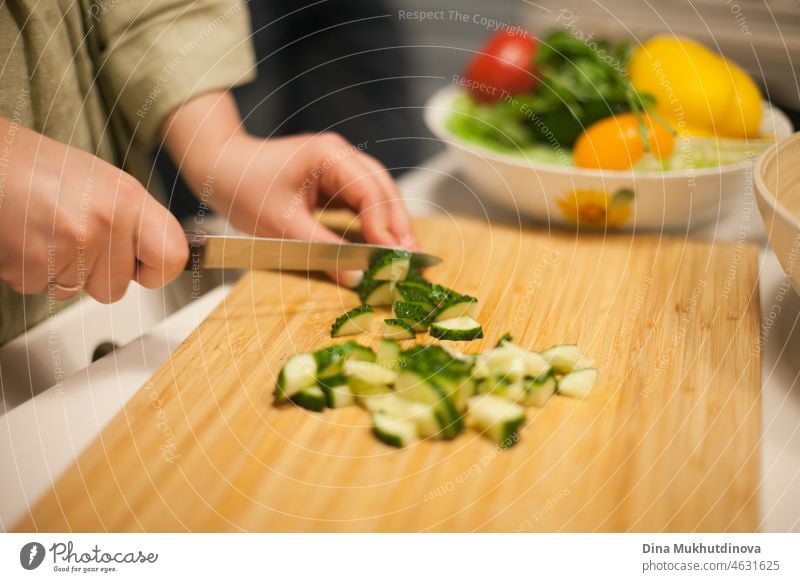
(243, 252)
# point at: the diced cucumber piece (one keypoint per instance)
(339, 396)
(397, 329)
(418, 387)
(496, 418)
(390, 266)
(353, 322)
(462, 306)
(577, 384)
(505, 338)
(402, 409)
(563, 358)
(312, 398)
(331, 359)
(539, 390)
(376, 293)
(535, 365)
(388, 354)
(372, 373)
(511, 390)
(458, 329)
(326, 382)
(417, 315)
(393, 432)
(299, 372)
(364, 391)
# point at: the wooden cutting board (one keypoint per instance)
(668, 439)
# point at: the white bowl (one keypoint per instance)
(616, 199)
(777, 181)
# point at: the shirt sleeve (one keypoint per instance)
(157, 54)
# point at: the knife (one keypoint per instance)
(244, 252)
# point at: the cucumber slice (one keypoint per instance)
(563, 358)
(577, 384)
(417, 315)
(376, 293)
(496, 418)
(397, 329)
(539, 390)
(462, 306)
(339, 396)
(390, 266)
(372, 373)
(299, 372)
(393, 432)
(505, 338)
(311, 399)
(363, 392)
(355, 321)
(418, 387)
(388, 354)
(458, 329)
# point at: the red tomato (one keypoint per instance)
(504, 64)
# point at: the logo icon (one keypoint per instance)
(31, 555)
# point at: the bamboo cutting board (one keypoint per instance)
(668, 439)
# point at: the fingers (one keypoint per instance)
(399, 219)
(159, 245)
(303, 226)
(365, 186)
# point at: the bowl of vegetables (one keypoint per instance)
(663, 135)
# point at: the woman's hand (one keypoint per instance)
(271, 187)
(70, 221)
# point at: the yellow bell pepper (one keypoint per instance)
(697, 90)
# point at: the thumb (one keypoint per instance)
(160, 244)
(304, 226)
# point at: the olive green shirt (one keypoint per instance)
(102, 75)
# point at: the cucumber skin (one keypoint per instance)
(346, 317)
(404, 326)
(416, 314)
(311, 400)
(456, 335)
(331, 359)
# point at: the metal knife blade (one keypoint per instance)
(243, 252)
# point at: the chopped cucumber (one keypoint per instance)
(388, 354)
(505, 338)
(416, 314)
(497, 418)
(372, 373)
(338, 396)
(299, 372)
(462, 306)
(418, 387)
(312, 398)
(458, 329)
(397, 329)
(535, 365)
(376, 293)
(393, 432)
(577, 384)
(511, 390)
(355, 321)
(390, 266)
(327, 382)
(403, 409)
(363, 391)
(331, 359)
(413, 292)
(539, 390)
(563, 358)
